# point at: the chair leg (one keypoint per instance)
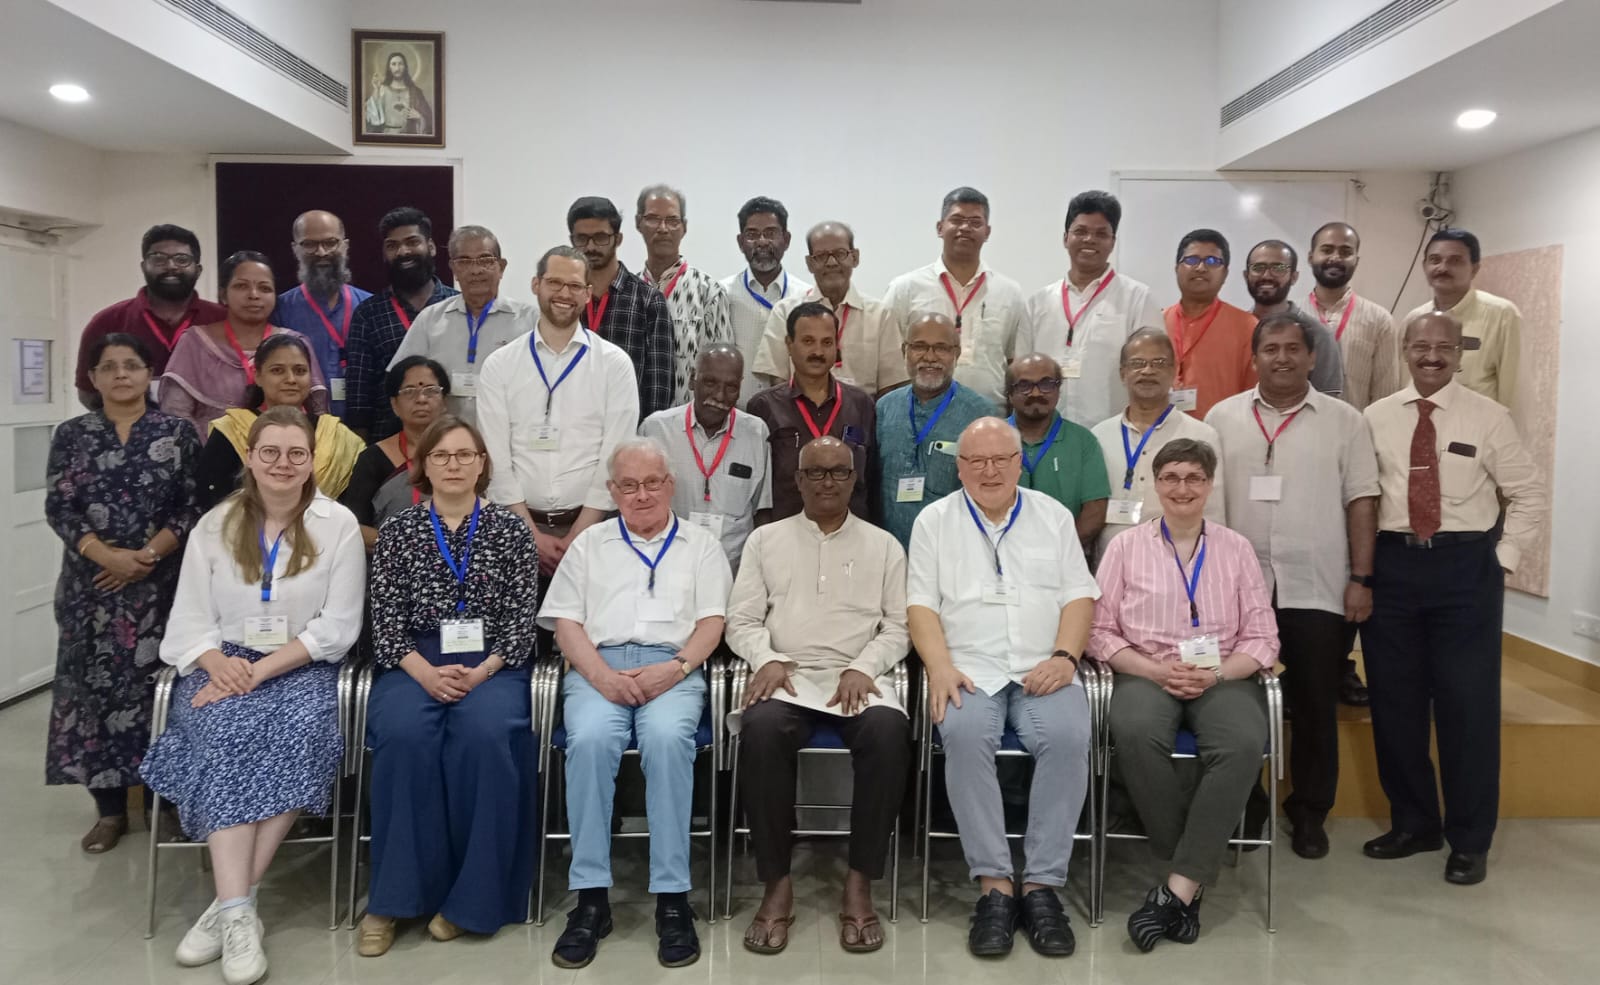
(1272, 841)
(733, 826)
(355, 834)
(544, 838)
(711, 843)
(150, 881)
(927, 823)
(333, 851)
(894, 872)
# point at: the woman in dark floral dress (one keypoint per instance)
(122, 497)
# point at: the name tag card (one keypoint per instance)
(266, 632)
(712, 522)
(336, 388)
(1002, 593)
(461, 636)
(1186, 398)
(1266, 488)
(545, 437)
(1128, 511)
(1072, 367)
(1201, 651)
(652, 609)
(463, 384)
(909, 489)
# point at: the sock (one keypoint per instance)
(600, 897)
(224, 905)
(662, 899)
(255, 890)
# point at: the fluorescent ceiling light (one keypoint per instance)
(1475, 119)
(67, 92)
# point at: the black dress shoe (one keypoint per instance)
(1466, 868)
(994, 920)
(1401, 844)
(577, 945)
(1309, 840)
(1049, 930)
(1352, 692)
(679, 944)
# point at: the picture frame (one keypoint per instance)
(397, 88)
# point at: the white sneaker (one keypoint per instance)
(243, 960)
(203, 943)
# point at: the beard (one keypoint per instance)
(1267, 295)
(410, 278)
(1333, 280)
(322, 277)
(171, 285)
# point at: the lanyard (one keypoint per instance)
(994, 545)
(1044, 449)
(1272, 438)
(399, 312)
(248, 363)
(672, 284)
(1066, 303)
(405, 453)
(1349, 307)
(597, 312)
(1204, 323)
(550, 388)
(1191, 582)
(838, 404)
(933, 419)
(694, 446)
(339, 335)
(474, 329)
(671, 535)
(459, 570)
(269, 561)
(782, 293)
(1132, 454)
(155, 327)
(961, 306)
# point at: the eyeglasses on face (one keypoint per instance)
(1421, 349)
(1050, 384)
(1084, 234)
(129, 366)
(465, 456)
(601, 240)
(667, 222)
(944, 350)
(628, 487)
(966, 222)
(419, 392)
(1202, 261)
(1160, 362)
(837, 256)
(839, 473)
(179, 261)
(984, 463)
(319, 245)
(475, 263)
(1171, 480)
(271, 453)
(1278, 268)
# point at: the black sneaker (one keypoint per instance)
(679, 944)
(577, 945)
(1049, 930)
(1162, 915)
(1188, 929)
(994, 921)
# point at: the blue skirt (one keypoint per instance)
(249, 757)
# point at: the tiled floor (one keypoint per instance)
(67, 918)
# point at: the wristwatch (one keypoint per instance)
(684, 666)
(1365, 581)
(1218, 672)
(1064, 653)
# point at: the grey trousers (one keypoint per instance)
(1055, 731)
(1229, 722)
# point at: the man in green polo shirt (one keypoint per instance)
(1059, 458)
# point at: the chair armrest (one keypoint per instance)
(360, 691)
(902, 684)
(544, 678)
(166, 680)
(717, 668)
(1274, 694)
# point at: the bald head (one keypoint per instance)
(718, 373)
(312, 225)
(320, 248)
(720, 352)
(989, 462)
(1432, 350)
(825, 452)
(989, 436)
(826, 496)
(1428, 319)
(932, 347)
(1033, 387)
(830, 230)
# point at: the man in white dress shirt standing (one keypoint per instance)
(763, 239)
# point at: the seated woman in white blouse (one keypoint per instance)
(269, 600)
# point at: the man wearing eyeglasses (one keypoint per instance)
(1491, 326)
(986, 306)
(698, 304)
(165, 308)
(462, 332)
(621, 308)
(1447, 457)
(1059, 458)
(323, 304)
(1082, 319)
(999, 604)
(1272, 270)
(869, 350)
(1211, 336)
(754, 292)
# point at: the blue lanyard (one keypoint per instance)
(671, 535)
(1132, 454)
(938, 412)
(1044, 449)
(459, 570)
(995, 545)
(473, 329)
(550, 388)
(761, 300)
(269, 561)
(1191, 582)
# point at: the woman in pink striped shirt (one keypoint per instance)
(1185, 622)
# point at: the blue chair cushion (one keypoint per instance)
(1009, 740)
(825, 736)
(702, 735)
(1184, 744)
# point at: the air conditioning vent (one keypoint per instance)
(228, 26)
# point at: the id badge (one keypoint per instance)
(461, 636)
(652, 609)
(1125, 511)
(463, 384)
(336, 389)
(1072, 368)
(266, 632)
(712, 522)
(910, 488)
(1186, 398)
(1266, 488)
(1001, 593)
(546, 437)
(1203, 652)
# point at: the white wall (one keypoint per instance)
(1541, 197)
(47, 175)
(1258, 38)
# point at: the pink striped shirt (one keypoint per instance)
(1143, 603)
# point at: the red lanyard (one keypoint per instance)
(399, 313)
(961, 306)
(672, 284)
(155, 327)
(843, 313)
(838, 404)
(1066, 303)
(248, 363)
(337, 334)
(1273, 438)
(597, 313)
(1349, 307)
(1204, 323)
(405, 453)
(722, 449)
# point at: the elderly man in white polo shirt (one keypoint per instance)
(637, 608)
(999, 603)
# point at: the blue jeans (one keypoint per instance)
(597, 734)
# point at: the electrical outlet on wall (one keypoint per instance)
(1586, 624)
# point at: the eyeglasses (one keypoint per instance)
(943, 350)
(418, 392)
(1082, 235)
(1424, 349)
(1198, 261)
(1050, 384)
(180, 261)
(966, 222)
(598, 239)
(772, 235)
(465, 456)
(668, 222)
(558, 287)
(984, 463)
(319, 245)
(129, 366)
(839, 473)
(476, 263)
(271, 453)
(1194, 480)
(628, 487)
(837, 256)
(1277, 268)
(1160, 362)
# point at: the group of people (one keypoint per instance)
(649, 469)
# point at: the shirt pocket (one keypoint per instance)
(1460, 476)
(1042, 571)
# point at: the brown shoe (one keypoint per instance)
(105, 834)
(377, 936)
(443, 930)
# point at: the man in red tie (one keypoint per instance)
(1446, 458)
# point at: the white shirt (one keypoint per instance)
(951, 564)
(440, 332)
(601, 581)
(750, 317)
(592, 410)
(323, 604)
(741, 483)
(1102, 327)
(1143, 488)
(993, 324)
(869, 346)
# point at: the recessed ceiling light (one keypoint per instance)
(1475, 119)
(67, 92)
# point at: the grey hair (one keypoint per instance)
(648, 445)
(663, 190)
(471, 232)
(989, 422)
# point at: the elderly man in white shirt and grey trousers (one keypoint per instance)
(1000, 602)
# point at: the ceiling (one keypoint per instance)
(1540, 75)
(138, 101)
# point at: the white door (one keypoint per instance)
(35, 395)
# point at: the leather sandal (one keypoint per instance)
(770, 929)
(105, 834)
(853, 933)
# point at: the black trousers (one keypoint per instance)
(773, 731)
(1433, 642)
(1313, 651)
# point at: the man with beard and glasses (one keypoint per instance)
(622, 309)
(323, 305)
(918, 425)
(1059, 458)
(697, 303)
(381, 321)
(1364, 329)
(1491, 326)
(163, 310)
(1271, 271)
(755, 291)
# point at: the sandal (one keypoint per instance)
(853, 933)
(769, 928)
(376, 936)
(105, 834)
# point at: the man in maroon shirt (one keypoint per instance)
(164, 308)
